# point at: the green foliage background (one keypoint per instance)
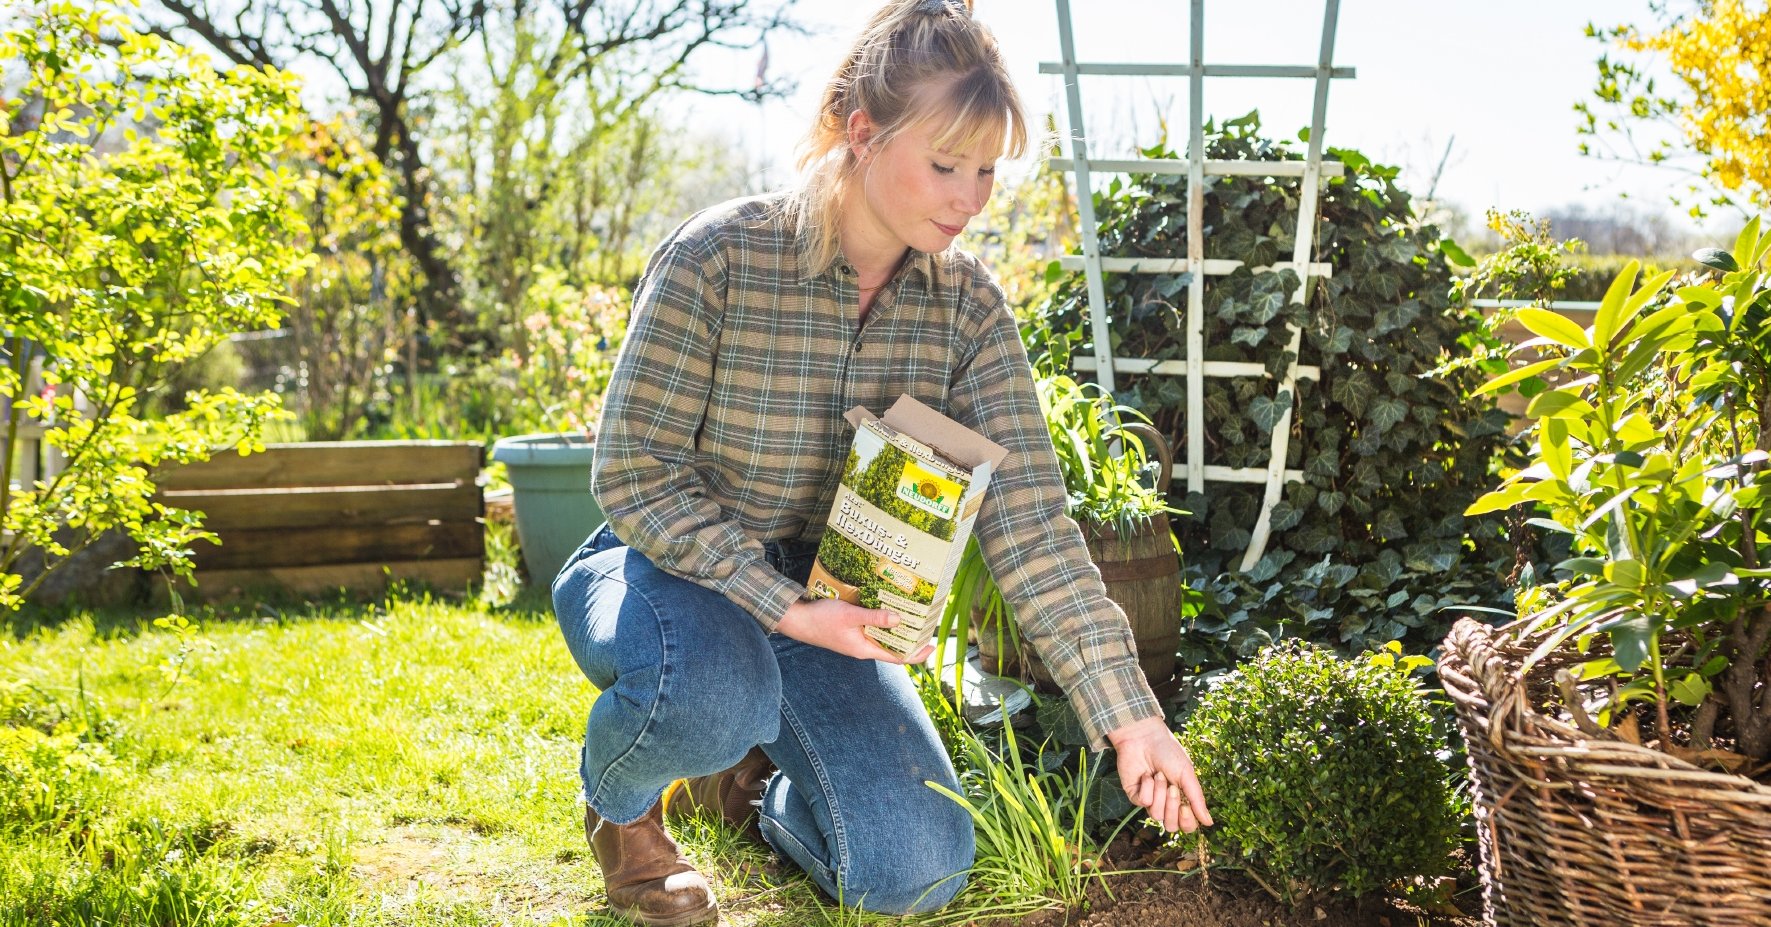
(1371, 545)
(119, 269)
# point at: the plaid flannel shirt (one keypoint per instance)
(723, 428)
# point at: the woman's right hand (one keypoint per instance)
(836, 625)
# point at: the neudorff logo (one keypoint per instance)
(931, 492)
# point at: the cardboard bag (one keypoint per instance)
(910, 492)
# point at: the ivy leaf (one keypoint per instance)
(1171, 284)
(1269, 565)
(1262, 307)
(1398, 249)
(1227, 535)
(1390, 318)
(1285, 517)
(1339, 341)
(1388, 525)
(1354, 391)
(1387, 285)
(1386, 412)
(1251, 335)
(1331, 501)
(1266, 412)
(1315, 538)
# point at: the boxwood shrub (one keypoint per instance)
(1322, 774)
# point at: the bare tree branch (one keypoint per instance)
(382, 50)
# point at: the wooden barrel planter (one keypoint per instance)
(1142, 573)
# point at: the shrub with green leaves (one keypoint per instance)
(145, 215)
(1323, 773)
(1371, 544)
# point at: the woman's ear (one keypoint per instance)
(860, 130)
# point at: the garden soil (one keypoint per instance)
(1173, 892)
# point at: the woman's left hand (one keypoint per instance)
(1158, 775)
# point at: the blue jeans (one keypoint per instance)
(690, 682)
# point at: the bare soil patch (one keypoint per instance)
(1173, 891)
(454, 865)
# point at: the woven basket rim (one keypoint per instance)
(1479, 667)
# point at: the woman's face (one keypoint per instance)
(917, 196)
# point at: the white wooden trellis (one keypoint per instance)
(1195, 368)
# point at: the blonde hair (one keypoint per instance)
(916, 60)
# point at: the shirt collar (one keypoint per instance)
(921, 263)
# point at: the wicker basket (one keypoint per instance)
(1584, 830)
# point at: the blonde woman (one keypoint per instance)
(756, 325)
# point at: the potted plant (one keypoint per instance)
(1116, 468)
(550, 491)
(1620, 732)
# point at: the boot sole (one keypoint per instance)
(708, 915)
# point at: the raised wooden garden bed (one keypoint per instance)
(314, 518)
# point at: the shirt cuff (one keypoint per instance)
(762, 591)
(1111, 697)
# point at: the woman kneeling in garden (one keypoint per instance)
(756, 325)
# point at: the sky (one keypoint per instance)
(1496, 81)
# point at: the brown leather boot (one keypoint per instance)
(645, 875)
(734, 793)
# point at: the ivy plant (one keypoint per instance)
(1371, 545)
(144, 216)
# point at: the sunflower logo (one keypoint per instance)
(928, 490)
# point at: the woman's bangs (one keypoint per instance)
(978, 116)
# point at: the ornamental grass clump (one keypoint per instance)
(1322, 774)
(1034, 850)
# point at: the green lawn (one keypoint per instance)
(409, 762)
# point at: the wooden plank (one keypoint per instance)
(352, 505)
(1184, 165)
(1087, 230)
(1306, 228)
(335, 463)
(269, 548)
(1215, 266)
(1217, 474)
(1178, 368)
(1129, 69)
(223, 585)
(1196, 249)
